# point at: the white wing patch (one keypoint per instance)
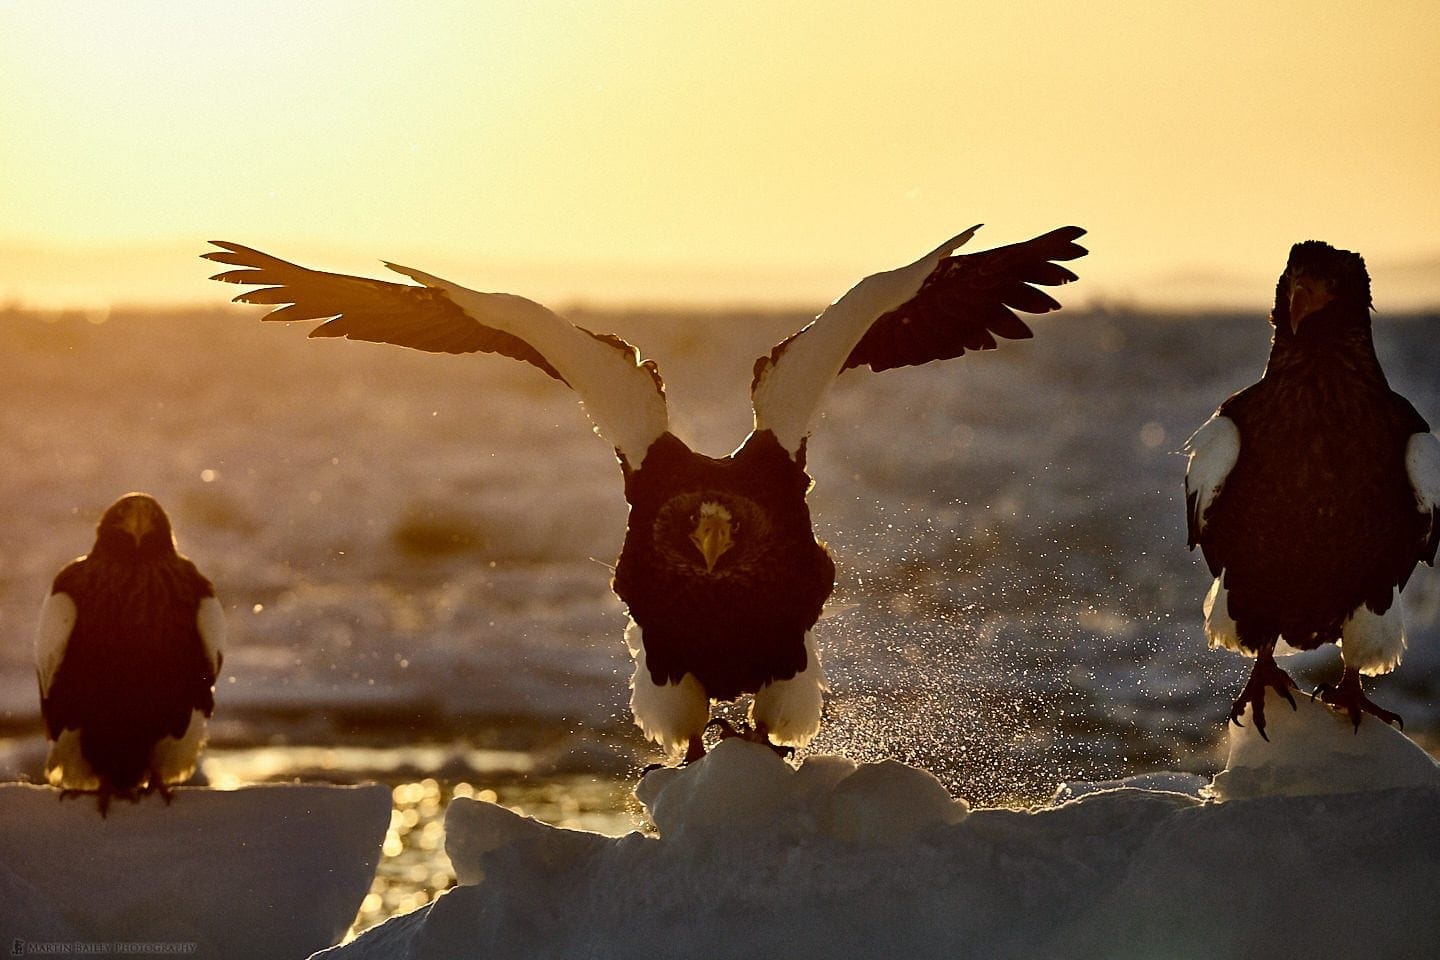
(1213, 450)
(210, 620)
(620, 392)
(789, 389)
(57, 619)
(1422, 464)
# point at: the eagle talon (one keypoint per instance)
(1265, 674)
(1349, 697)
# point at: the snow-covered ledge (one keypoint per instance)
(1322, 842)
(265, 871)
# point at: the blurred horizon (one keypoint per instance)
(99, 281)
(627, 153)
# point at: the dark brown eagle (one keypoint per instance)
(720, 568)
(127, 651)
(1314, 493)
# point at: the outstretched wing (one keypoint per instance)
(623, 394)
(934, 309)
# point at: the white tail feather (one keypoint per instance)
(1220, 629)
(671, 714)
(790, 709)
(1373, 643)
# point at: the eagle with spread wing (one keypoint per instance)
(720, 569)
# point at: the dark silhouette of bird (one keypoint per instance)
(720, 569)
(1314, 493)
(127, 650)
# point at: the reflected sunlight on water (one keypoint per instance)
(413, 868)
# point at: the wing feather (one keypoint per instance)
(1422, 464)
(1213, 450)
(622, 393)
(936, 308)
(57, 620)
(360, 308)
(968, 300)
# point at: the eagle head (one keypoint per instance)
(135, 523)
(1317, 275)
(708, 534)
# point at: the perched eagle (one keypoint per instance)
(1314, 493)
(127, 650)
(720, 568)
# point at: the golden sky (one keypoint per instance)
(718, 151)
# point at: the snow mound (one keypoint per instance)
(1315, 750)
(266, 871)
(833, 859)
(737, 789)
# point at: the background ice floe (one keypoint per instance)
(269, 871)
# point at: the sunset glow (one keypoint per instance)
(628, 151)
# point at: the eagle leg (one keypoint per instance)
(726, 728)
(1348, 696)
(158, 785)
(693, 752)
(759, 733)
(1265, 673)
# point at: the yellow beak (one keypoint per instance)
(136, 522)
(1307, 294)
(712, 538)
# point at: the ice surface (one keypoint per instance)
(273, 871)
(1293, 855)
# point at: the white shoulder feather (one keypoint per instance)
(1422, 464)
(57, 619)
(1213, 450)
(210, 620)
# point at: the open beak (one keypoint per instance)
(1307, 294)
(712, 538)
